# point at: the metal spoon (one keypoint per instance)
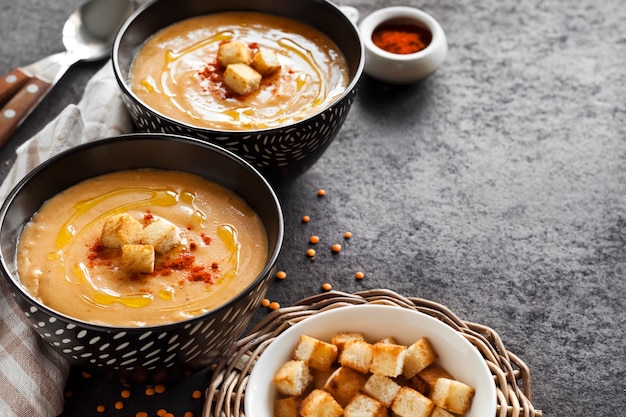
(87, 36)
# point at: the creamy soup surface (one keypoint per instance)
(176, 71)
(222, 249)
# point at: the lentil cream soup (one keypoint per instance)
(140, 248)
(177, 74)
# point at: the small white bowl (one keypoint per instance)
(456, 354)
(402, 68)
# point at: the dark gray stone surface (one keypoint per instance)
(496, 187)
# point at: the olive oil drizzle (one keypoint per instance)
(79, 276)
(243, 113)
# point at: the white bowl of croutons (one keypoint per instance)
(370, 361)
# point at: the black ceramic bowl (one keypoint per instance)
(281, 153)
(141, 354)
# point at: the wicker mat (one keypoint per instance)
(224, 397)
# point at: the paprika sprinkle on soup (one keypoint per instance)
(401, 38)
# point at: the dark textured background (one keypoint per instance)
(496, 187)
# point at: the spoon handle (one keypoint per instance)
(11, 84)
(20, 106)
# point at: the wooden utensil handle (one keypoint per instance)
(20, 106)
(11, 84)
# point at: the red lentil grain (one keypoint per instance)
(314, 239)
(359, 275)
(310, 252)
(119, 405)
(306, 219)
(196, 394)
(159, 389)
(321, 192)
(347, 235)
(265, 302)
(125, 393)
(149, 391)
(161, 412)
(274, 305)
(336, 248)
(281, 275)
(188, 414)
(100, 408)
(86, 375)
(327, 286)
(141, 414)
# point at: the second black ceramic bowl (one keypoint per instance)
(281, 153)
(148, 354)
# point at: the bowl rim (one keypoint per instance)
(380, 16)
(123, 84)
(16, 286)
(259, 389)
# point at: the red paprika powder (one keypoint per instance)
(401, 38)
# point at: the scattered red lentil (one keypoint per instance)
(196, 394)
(314, 239)
(141, 414)
(159, 389)
(119, 405)
(149, 391)
(327, 286)
(281, 275)
(161, 412)
(168, 415)
(310, 252)
(306, 219)
(336, 248)
(265, 302)
(321, 192)
(188, 414)
(274, 305)
(86, 375)
(100, 408)
(359, 275)
(347, 235)
(125, 393)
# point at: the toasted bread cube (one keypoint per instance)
(419, 355)
(265, 62)
(440, 412)
(319, 403)
(452, 395)
(161, 234)
(321, 377)
(138, 258)
(315, 353)
(387, 359)
(242, 79)
(381, 388)
(233, 52)
(119, 230)
(410, 403)
(420, 385)
(340, 339)
(344, 384)
(292, 378)
(357, 354)
(286, 407)
(389, 339)
(364, 406)
(431, 374)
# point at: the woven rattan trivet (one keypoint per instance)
(228, 385)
